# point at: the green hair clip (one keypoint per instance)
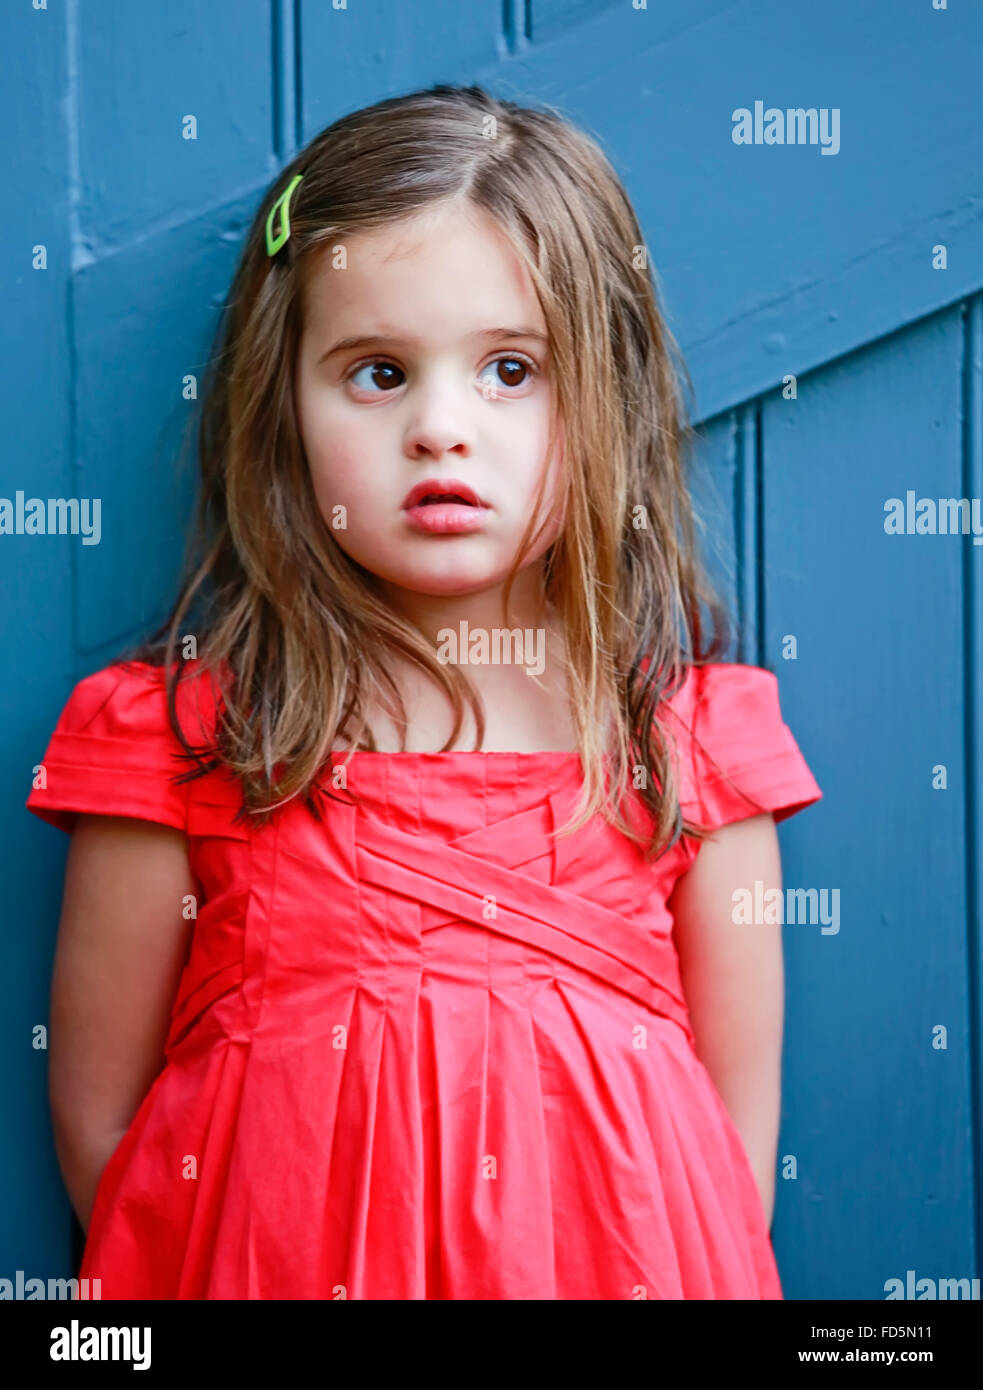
(273, 243)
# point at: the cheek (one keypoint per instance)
(523, 450)
(337, 450)
(550, 512)
(555, 471)
(333, 464)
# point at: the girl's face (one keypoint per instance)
(447, 382)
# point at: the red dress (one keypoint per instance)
(421, 1051)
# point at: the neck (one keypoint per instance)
(434, 613)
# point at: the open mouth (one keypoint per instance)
(437, 492)
(444, 506)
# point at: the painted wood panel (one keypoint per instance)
(876, 694)
(36, 583)
(771, 260)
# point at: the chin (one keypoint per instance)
(435, 565)
(451, 584)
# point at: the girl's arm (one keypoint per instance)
(734, 984)
(122, 944)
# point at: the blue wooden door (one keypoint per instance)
(828, 301)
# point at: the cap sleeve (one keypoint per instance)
(737, 757)
(113, 752)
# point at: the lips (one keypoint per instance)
(444, 507)
(431, 491)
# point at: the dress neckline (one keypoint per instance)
(459, 753)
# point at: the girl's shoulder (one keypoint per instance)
(114, 751)
(726, 692)
(736, 756)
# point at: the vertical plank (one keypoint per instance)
(879, 1121)
(36, 579)
(750, 533)
(713, 474)
(285, 71)
(972, 441)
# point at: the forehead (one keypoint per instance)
(450, 268)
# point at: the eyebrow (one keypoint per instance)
(367, 340)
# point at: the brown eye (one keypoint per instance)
(508, 367)
(509, 371)
(381, 375)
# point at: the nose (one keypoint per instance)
(439, 422)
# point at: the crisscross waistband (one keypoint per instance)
(460, 883)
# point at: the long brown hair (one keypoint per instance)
(291, 629)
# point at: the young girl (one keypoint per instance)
(397, 957)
